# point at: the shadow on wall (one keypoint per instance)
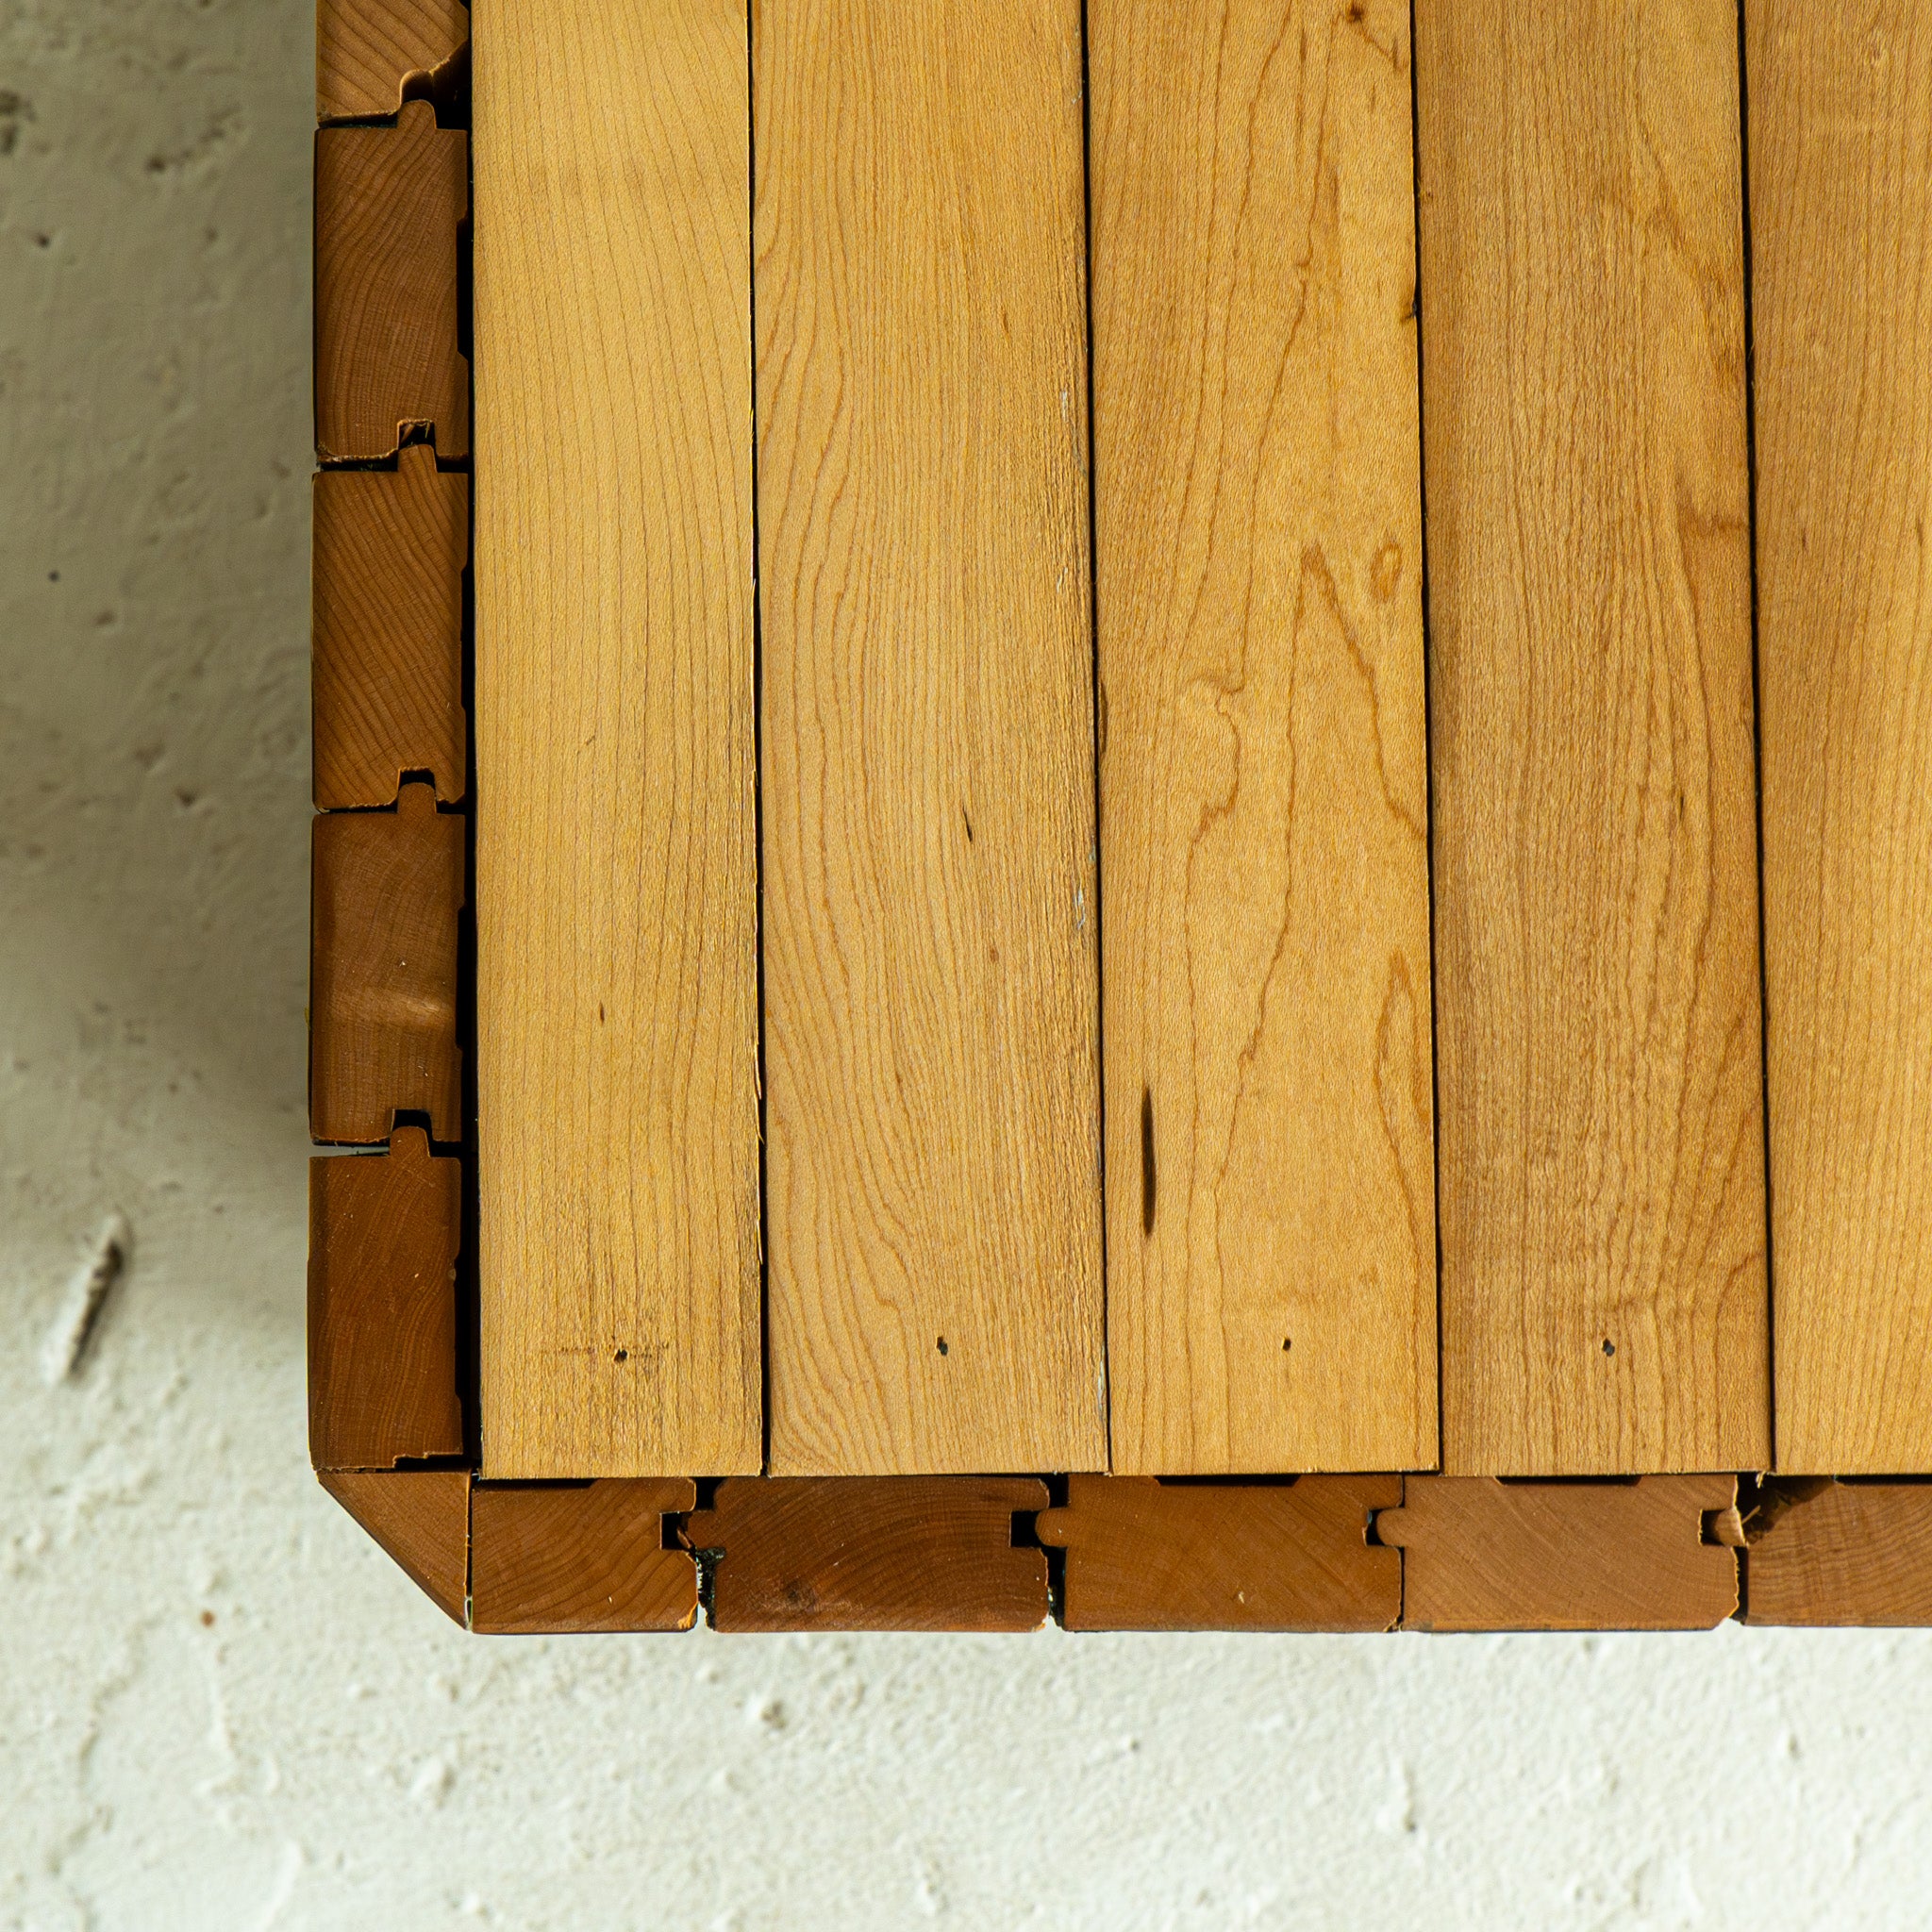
(154, 502)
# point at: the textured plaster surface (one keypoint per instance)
(220, 1706)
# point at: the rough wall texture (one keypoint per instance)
(220, 1707)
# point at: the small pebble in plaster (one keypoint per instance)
(65, 1345)
(767, 1712)
(208, 1619)
(430, 1786)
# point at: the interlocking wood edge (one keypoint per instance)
(388, 887)
(940, 1553)
(371, 55)
(389, 550)
(1840, 1553)
(383, 1235)
(873, 1553)
(1469, 1553)
(1143, 1555)
(549, 1558)
(1481, 1554)
(420, 1517)
(389, 204)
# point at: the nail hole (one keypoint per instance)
(943, 1345)
(1610, 1346)
(1286, 1344)
(622, 1354)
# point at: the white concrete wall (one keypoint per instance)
(220, 1706)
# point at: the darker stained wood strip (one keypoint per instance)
(1148, 1555)
(382, 1039)
(1483, 1554)
(420, 1517)
(370, 53)
(389, 204)
(1845, 1553)
(383, 1233)
(388, 553)
(560, 1558)
(864, 1553)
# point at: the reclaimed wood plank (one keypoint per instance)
(389, 552)
(584, 1558)
(1600, 1184)
(617, 911)
(1148, 1555)
(387, 888)
(1271, 1200)
(389, 202)
(1841, 302)
(1483, 1554)
(897, 1552)
(383, 1235)
(930, 977)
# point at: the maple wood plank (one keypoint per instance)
(1841, 295)
(1601, 1185)
(580, 1558)
(1482, 1555)
(930, 975)
(1148, 1555)
(387, 887)
(617, 916)
(368, 52)
(389, 552)
(1846, 1554)
(1271, 1201)
(897, 1552)
(388, 201)
(383, 1233)
(421, 1519)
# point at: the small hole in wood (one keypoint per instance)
(943, 1345)
(1610, 1346)
(622, 1354)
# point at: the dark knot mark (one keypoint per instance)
(1147, 1186)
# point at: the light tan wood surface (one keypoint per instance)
(1599, 1064)
(617, 972)
(930, 981)
(1841, 266)
(1271, 1198)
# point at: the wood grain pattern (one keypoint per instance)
(389, 552)
(1841, 265)
(387, 888)
(1147, 1556)
(1601, 1185)
(581, 1558)
(616, 870)
(1851, 1554)
(1481, 1555)
(383, 1233)
(420, 1518)
(930, 975)
(389, 202)
(901, 1552)
(1271, 1237)
(368, 53)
